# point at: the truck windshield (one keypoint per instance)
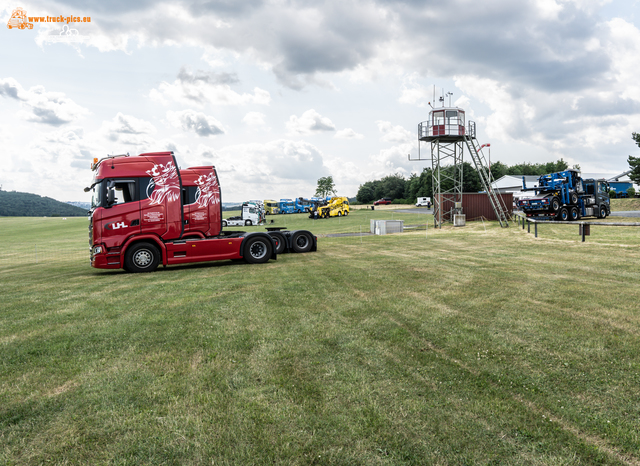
(97, 195)
(603, 187)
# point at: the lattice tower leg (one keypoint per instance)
(447, 172)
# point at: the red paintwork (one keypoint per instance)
(182, 233)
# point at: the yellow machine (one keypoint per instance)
(336, 207)
(271, 207)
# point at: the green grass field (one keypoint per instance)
(474, 345)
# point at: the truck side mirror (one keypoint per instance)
(111, 194)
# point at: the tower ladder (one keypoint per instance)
(497, 202)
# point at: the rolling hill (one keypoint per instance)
(16, 204)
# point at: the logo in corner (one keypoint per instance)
(19, 20)
(116, 226)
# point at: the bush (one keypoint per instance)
(400, 201)
(631, 192)
(612, 194)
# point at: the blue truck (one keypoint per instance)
(566, 196)
(287, 206)
(302, 205)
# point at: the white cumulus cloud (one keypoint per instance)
(311, 122)
(198, 122)
(201, 88)
(50, 108)
(348, 133)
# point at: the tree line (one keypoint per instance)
(15, 204)
(407, 190)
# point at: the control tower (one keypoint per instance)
(447, 132)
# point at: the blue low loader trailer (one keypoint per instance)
(566, 196)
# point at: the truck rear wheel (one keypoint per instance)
(257, 250)
(563, 214)
(555, 204)
(574, 213)
(281, 244)
(302, 242)
(142, 257)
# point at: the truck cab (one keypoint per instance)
(251, 214)
(287, 206)
(271, 207)
(302, 205)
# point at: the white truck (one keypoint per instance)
(423, 202)
(251, 214)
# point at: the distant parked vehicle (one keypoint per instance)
(271, 207)
(336, 207)
(423, 201)
(287, 206)
(302, 205)
(383, 201)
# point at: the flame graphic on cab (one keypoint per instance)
(166, 184)
(208, 190)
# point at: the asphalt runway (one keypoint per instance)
(415, 211)
(626, 213)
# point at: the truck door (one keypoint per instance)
(121, 216)
(603, 192)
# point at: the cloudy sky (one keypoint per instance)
(278, 93)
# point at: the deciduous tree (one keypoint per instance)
(325, 186)
(634, 162)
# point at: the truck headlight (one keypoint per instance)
(97, 250)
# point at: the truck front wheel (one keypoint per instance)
(301, 242)
(224, 223)
(603, 212)
(257, 250)
(142, 257)
(555, 204)
(247, 223)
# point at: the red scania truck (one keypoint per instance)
(145, 212)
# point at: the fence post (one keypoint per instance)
(528, 227)
(535, 225)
